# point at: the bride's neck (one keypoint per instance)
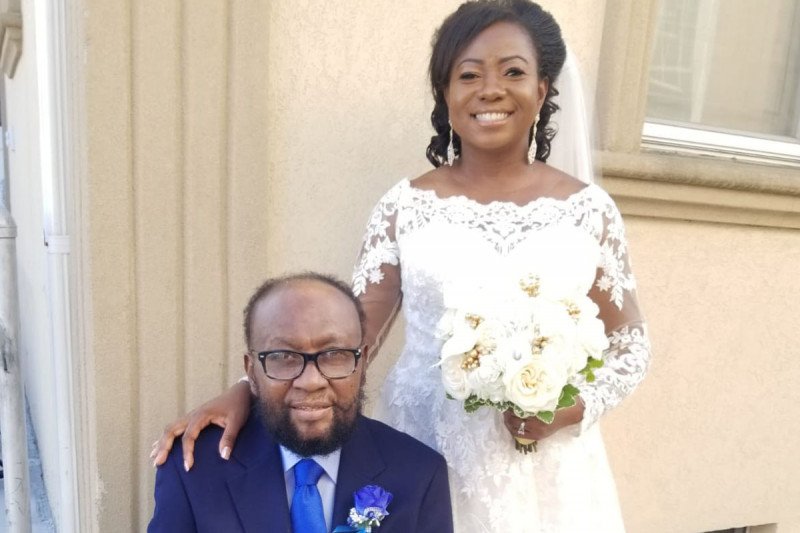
(499, 172)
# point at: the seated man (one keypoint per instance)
(306, 448)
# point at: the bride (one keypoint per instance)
(494, 72)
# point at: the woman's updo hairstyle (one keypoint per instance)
(457, 32)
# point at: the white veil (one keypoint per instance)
(571, 149)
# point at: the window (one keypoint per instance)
(725, 79)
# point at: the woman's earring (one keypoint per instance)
(533, 147)
(451, 152)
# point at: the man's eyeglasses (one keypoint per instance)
(286, 365)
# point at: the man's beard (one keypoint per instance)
(276, 418)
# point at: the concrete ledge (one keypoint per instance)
(710, 172)
(676, 187)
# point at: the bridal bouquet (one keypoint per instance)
(520, 340)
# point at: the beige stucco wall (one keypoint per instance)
(228, 141)
(706, 442)
(176, 136)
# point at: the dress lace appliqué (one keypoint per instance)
(379, 245)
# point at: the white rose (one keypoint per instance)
(486, 380)
(454, 378)
(536, 386)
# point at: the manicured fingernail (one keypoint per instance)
(154, 463)
(153, 454)
(186, 465)
(226, 453)
(154, 444)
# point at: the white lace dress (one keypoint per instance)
(415, 241)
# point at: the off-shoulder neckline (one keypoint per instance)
(463, 199)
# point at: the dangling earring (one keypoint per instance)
(533, 147)
(451, 151)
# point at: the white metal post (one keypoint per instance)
(58, 153)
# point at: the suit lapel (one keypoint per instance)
(359, 465)
(259, 492)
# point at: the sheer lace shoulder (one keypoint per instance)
(379, 245)
(627, 359)
(376, 276)
(616, 279)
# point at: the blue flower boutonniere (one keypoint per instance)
(371, 507)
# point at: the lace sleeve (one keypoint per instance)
(628, 356)
(376, 276)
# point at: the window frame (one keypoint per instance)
(685, 140)
(674, 182)
(694, 138)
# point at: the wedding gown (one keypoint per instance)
(415, 242)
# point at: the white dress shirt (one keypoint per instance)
(326, 484)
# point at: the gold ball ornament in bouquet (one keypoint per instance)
(522, 343)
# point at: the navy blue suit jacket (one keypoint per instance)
(248, 493)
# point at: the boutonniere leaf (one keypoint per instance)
(371, 507)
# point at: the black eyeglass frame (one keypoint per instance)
(262, 356)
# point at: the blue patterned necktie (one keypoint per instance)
(307, 515)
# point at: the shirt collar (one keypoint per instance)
(329, 463)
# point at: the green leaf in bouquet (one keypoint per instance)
(591, 364)
(570, 389)
(546, 416)
(517, 411)
(568, 396)
(594, 363)
(473, 403)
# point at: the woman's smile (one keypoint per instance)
(491, 118)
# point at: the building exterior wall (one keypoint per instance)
(229, 141)
(703, 444)
(176, 164)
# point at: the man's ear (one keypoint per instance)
(365, 354)
(249, 369)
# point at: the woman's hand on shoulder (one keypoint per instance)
(229, 410)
